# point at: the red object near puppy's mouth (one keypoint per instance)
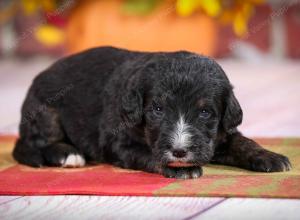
(180, 164)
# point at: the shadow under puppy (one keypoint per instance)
(167, 113)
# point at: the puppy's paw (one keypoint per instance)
(182, 172)
(73, 160)
(270, 162)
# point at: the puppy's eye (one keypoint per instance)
(205, 114)
(157, 108)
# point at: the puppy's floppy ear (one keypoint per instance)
(233, 114)
(132, 106)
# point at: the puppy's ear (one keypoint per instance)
(233, 115)
(132, 106)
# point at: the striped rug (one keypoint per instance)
(217, 181)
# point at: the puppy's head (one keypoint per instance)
(182, 104)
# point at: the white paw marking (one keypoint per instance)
(287, 167)
(73, 160)
(196, 174)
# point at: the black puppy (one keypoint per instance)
(167, 113)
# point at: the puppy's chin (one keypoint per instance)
(189, 161)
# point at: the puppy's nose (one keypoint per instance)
(179, 153)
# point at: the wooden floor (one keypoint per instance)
(122, 207)
(269, 94)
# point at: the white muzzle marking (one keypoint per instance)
(181, 138)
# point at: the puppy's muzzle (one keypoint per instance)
(179, 153)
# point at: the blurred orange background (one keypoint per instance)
(214, 27)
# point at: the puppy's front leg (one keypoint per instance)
(132, 156)
(242, 152)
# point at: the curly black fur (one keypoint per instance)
(139, 111)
